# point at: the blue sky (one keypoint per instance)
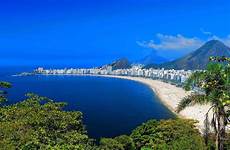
(94, 32)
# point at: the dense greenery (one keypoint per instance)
(122, 142)
(168, 134)
(41, 123)
(3, 92)
(214, 85)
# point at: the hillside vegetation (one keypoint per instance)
(41, 123)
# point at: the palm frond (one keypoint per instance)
(191, 100)
(194, 80)
(214, 67)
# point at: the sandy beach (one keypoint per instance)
(171, 95)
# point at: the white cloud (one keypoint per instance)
(225, 40)
(211, 36)
(170, 42)
(206, 32)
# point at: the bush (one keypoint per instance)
(168, 134)
(110, 144)
(40, 123)
(126, 141)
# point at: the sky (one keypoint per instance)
(86, 33)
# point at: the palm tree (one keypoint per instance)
(3, 93)
(214, 88)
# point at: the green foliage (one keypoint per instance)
(110, 144)
(126, 141)
(4, 84)
(40, 123)
(122, 142)
(145, 134)
(220, 59)
(3, 93)
(192, 100)
(168, 134)
(214, 85)
(172, 134)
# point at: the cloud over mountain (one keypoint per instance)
(171, 42)
(225, 40)
(179, 42)
(197, 59)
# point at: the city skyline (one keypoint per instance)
(171, 75)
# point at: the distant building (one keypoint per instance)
(177, 76)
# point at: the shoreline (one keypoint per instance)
(168, 94)
(140, 80)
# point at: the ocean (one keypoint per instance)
(110, 106)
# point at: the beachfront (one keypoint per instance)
(171, 95)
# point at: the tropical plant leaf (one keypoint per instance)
(192, 100)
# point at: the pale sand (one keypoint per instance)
(171, 95)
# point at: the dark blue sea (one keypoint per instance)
(110, 106)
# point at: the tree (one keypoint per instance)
(214, 85)
(167, 134)
(126, 141)
(3, 93)
(110, 144)
(40, 123)
(123, 142)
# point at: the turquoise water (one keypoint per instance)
(110, 106)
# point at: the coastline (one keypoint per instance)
(170, 96)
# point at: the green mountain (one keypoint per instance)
(197, 59)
